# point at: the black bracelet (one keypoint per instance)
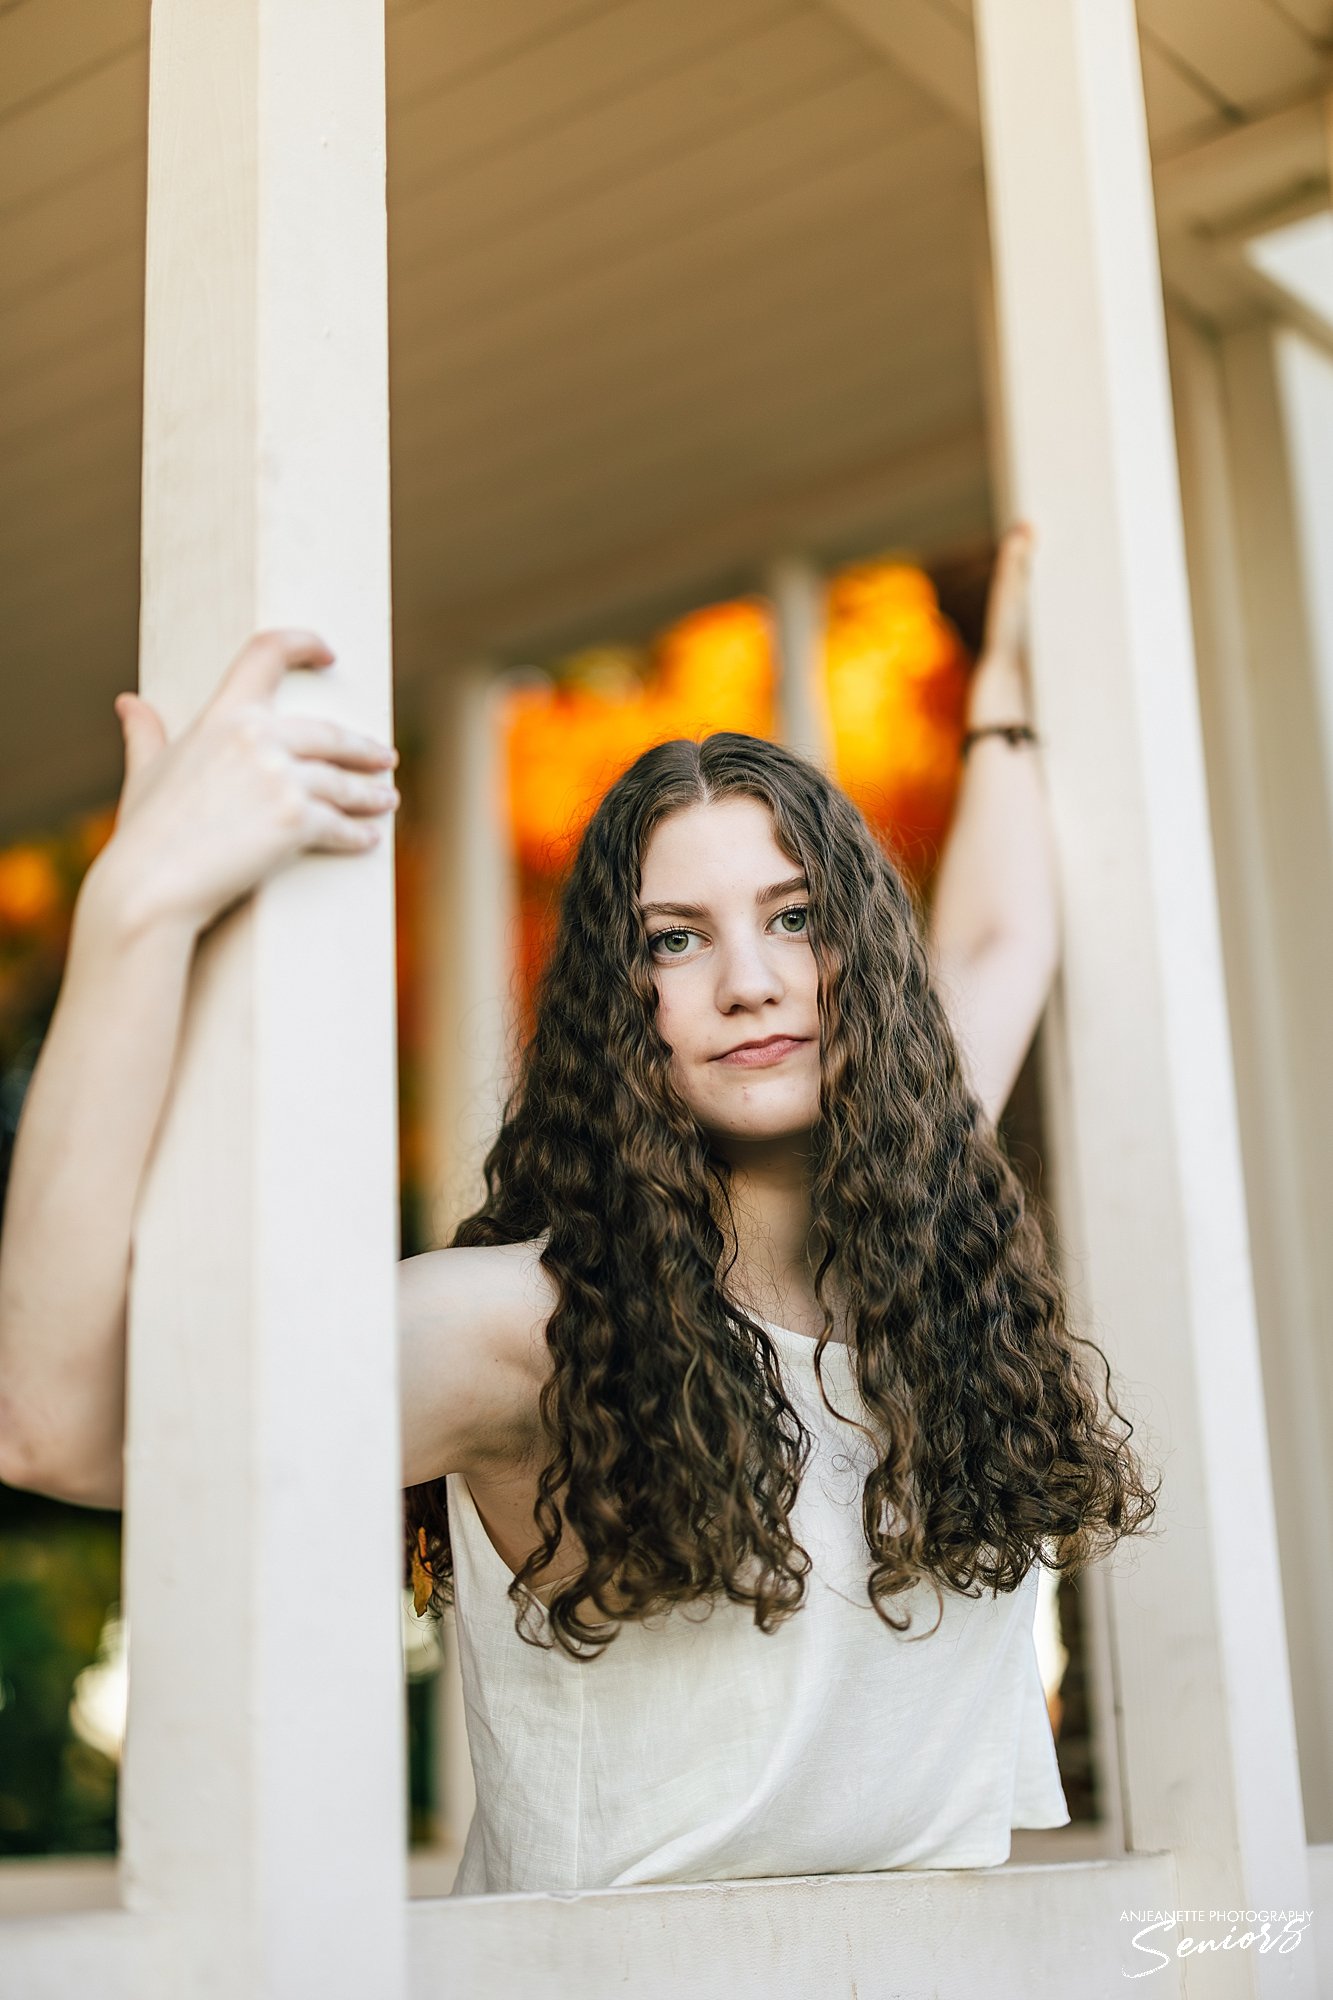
(1012, 732)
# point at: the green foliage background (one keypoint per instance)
(59, 1580)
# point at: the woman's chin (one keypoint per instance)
(761, 1126)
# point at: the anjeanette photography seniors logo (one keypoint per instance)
(1163, 1935)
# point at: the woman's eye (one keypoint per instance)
(799, 921)
(671, 944)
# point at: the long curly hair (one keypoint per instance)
(674, 1454)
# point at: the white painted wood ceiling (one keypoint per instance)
(673, 282)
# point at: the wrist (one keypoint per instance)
(1012, 733)
(118, 905)
(997, 692)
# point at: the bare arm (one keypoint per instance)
(472, 1357)
(994, 924)
(87, 1127)
(201, 822)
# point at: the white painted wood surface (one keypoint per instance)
(1180, 105)
(1251, 54)
(1008, 1933)
(1213, 197)
(263, 1795)
(1321, 1890)
(929, 44)
(746, 329)
(239, 1399)
(931, 493)
(1207, 1739)
(896, 1923)
(796, 593)
(470, 928)
(1059, 1157)
(1305, 387)
(1252, 469)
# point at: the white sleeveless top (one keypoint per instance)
(698, 1748)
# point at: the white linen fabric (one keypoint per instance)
(697, 1748)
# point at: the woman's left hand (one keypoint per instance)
(1007, 601)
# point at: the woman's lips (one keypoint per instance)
(759, 1055)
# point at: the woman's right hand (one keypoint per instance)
(242, 790)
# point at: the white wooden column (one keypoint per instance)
(263, 1808)
(1253, 451)
(470, 971)
(1207, 1743)
(471, 968)
(796, 590)
(1058, 1163)
(1305, 389)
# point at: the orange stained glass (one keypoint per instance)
(895, 676)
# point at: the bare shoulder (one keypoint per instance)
(472, 1356)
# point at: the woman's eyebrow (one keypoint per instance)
(672, 910)
(768, 895)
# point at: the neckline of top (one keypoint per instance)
(806, 1339)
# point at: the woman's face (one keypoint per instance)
(724, 912)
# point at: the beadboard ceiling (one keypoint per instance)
(674, 284)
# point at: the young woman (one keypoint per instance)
(740, 1416)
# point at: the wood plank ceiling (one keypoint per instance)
(673, 283)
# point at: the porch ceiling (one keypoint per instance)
(673, 282)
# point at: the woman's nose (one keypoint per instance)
(746, 976)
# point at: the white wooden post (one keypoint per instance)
(1255, 422)
(1207, 1741)
(263, 1807)
(1059, 1169)
(1305, 390)
(471, 936)
(471, 920)
(1303, 908)
(796, 590)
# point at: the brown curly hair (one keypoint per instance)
(672, 1442)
